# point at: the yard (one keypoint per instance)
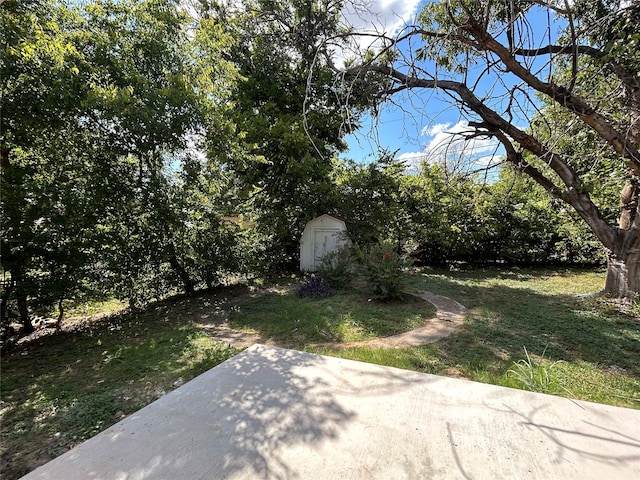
(59, 389)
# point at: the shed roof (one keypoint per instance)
(327, 216)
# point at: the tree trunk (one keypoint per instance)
(189, 284)
(6, 295)
(4, 158)
(60, 313)
(23, 308)
(623, 262)
(623, 273)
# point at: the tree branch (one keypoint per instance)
(502, 129)
(630, 81)
(560, 94)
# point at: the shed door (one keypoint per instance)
(325, 241)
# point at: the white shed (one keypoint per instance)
(320, 236)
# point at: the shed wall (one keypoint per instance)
(320, 236)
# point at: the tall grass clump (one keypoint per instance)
(535, 377)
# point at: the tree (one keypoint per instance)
(102, 103)
(444, 221)
(46, 204)
(495, 63)
(370, 198)
(286, 116)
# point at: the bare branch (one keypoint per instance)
(574, 49)
(631, 81)
(550, 6)
(560, 94)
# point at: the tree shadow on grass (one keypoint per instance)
(504, 319)
(62, 388)
(287, 319)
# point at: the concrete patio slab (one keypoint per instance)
(272, 413)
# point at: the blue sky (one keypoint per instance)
(421, 126)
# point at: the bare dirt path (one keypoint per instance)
(215, 320)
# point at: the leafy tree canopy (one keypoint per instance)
(495, 63)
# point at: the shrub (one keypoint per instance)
(315, 287)
(383, 268)
(338, 268)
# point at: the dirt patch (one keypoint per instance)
(207, 308)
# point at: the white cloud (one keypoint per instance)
(409, 155)
(387, 16)
(485, 161)
(452, 146)
(431, 130)
(412, 160)
(372, 18)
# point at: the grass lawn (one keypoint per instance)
(60, 389)
(587, 349)
(345, 317)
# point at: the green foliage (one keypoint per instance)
(369, 197)
(107, 104)
(450, 218)
(287, 120)
(535, 377)
(613, 29)
(441, 212)
(384, 270)
(103, 103)
(511, 220)
(338, 267)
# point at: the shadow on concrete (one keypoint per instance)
(253, 410)
(242, 419)
(272, 406)
(541, 436)
(586, 439)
